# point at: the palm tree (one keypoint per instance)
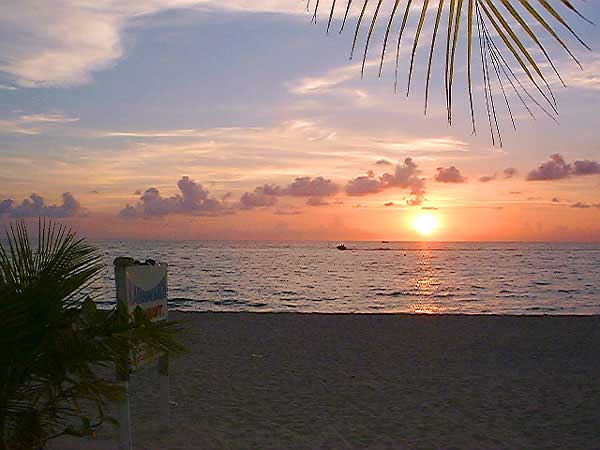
(504, 29)
(53, 339)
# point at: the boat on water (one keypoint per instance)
(341, 247)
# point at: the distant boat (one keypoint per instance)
(385, 242)
(341, 247)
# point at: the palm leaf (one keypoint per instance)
(469, 61)
(536, 15)
(453, 57)
(387, 33)
(433, 39)
(373, 21)
(416, 42)
(402, 27)
(53, 338)
(511, 64)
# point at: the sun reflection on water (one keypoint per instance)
(425, 285)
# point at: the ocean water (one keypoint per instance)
(371, 277)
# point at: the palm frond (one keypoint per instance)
(53, 339)
(513, 64)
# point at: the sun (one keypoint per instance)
(425, 224)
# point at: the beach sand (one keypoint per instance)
(304, 381)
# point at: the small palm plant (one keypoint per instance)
(54, 342)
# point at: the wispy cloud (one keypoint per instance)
(225, 158)
(29, 124)
(582, 205)
(16, 127)
(47, 118)
(588, 78)
(329, 81)
(62, 42)
(436, 145)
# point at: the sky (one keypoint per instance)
(202, 119)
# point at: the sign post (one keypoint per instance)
(142, 284)
(163, 371)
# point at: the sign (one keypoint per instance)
(144, 285)
(147, 288)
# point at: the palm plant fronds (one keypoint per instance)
(54, 341)
(510, 35)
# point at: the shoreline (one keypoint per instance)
(405, 381)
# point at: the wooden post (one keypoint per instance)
(165, 404)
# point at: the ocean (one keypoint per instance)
(370, 277)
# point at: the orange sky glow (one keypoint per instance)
(196, 119)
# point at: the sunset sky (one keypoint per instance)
(191, 119)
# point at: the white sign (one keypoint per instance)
(144, 286)
(147, 288)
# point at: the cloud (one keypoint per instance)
(35, 206)
(129, 212)
(363, 185)
(587, 78)
(487, 178)
(261, 197)
(586, 167)
(307, 187)
(29, 124)
(317, 201)
(449, 175)
(557, 169)
(266, 195)
(388, 204)
(555, 200)
(384, 162)
(507, 173)
(554, 169)
(581, 205)
(193, 200)
(287, 210)
(47, 118)
(62, 42)
(329, 81)
(404, 176)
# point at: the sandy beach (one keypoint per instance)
(304, 381)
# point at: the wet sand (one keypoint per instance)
(305, 381)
